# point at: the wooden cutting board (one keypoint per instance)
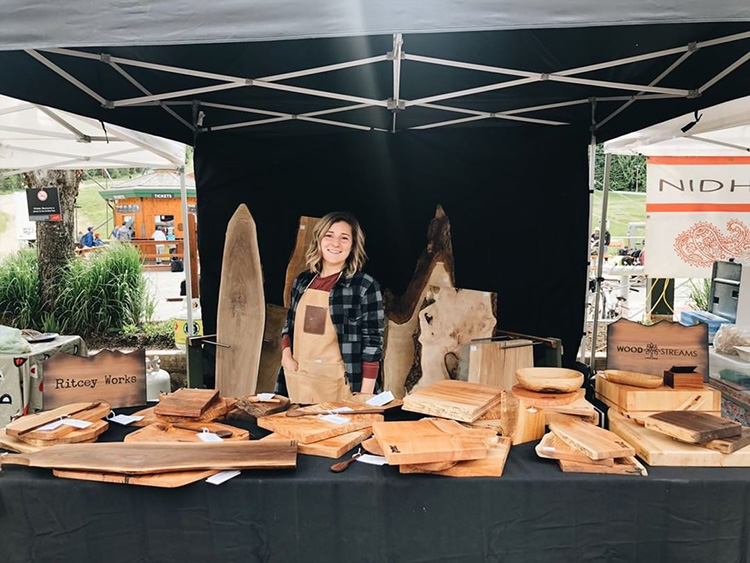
(730, 445)
(25, 425)
(621, 466)
(149, 417)
(372, 446)
(257, 410)
(188, 403)
(332, 447)
(82, 435)
(163, 480)
(657, 449)
(639, 416)
(490, 466)
(493, 418)
(552, 447)
(215, 411)
(309, 429)
(693, 427)
(297, 262)
(458, 400)
(165, 432)
(431, 440)
(537, 399)
(241, 313)
(580, 408)
(591, 440)
(14, 444)
(631, 399)
(139, 459)
(494, 362)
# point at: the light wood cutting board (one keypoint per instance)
(139, 459)
(332, 447)
(14, 444)
(458, 400)
(78, 436)
(490, 466)
(552, 447)
(241, 314)
(593, 441)
(217, 410)
(164, 432)
(26, 425)
(188, 403)
(162, 480)
(621, 466)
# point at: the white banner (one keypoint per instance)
(697, 212)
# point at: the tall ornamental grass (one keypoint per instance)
(20, 299)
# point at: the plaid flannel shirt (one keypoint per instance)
(356, 307)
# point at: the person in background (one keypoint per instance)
(159, 235)
(332, 341)
(98, 241)
(123, 232)
(88, 238)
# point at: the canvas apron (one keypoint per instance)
(321, 375)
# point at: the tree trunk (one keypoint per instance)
(54, 240)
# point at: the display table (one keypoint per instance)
(368, 513)
(21, 375)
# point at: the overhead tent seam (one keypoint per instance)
(396, 104)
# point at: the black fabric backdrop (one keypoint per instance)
(517, 200)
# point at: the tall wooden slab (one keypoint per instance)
(494, 362)
(459, 400)
(297, 262)
(656, 348)
(241, 314)
(449, 319)
(112, 376)
(659, 450)
(270, 355)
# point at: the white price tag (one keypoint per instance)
(265, 396)
(50, 426)
(125, 419)
(209, 437)
(75, 423)
(548, 449)
(382, 399)
(334, 419)
(473, 348)
(372, 459)
(221, 477)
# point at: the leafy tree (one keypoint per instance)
(627, 173)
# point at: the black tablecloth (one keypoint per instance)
(369, 513)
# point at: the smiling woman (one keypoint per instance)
(333, 337)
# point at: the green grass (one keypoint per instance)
(93, 209)
(622, 208)
(4, 217)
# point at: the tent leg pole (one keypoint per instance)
(600, 258)
(186, 257)
(592, 178)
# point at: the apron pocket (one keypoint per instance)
(318, 382)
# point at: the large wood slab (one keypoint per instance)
(636, 399)
(188, 403)
(494, 362)
(693, 427)
(241, 314)
(162, 480)
(621, 466)
(309, 429)
(490, 466)
(270, 355)
(96, 412)
(458, 400)
(139, 459)
(593, 441)
(552, 447)
(297, 262)
(332, 447)
(659, 450)
(431, 440)
(82, 435)
(165, 432)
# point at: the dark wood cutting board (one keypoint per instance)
(693, 427)
(191, 403)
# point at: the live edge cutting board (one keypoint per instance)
(458, 400)
(241, 315)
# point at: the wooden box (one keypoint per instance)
(683, 378)
(638, 403)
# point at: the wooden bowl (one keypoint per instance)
(634, 378)
(549, 380)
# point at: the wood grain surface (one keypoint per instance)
(240, 318)
(593, 441)
(621, 466)
(331, 447)
(458, 400)
(297, 262)
(28, 423)
(636, 399)
(490, 466)
(166, 432)
(270, 354)
(522, 420)
(257, 410)
(580, 408)
(82, 435)
(730, 445)
(494, 362)
(215, 411)
(693, 427)
(139, 459)
(162, 480)
(93, 414)
(13, 444)
(634, 379)
(187, 403)
(372, 446)
(552, 447)
(659, 450)
(537, 399)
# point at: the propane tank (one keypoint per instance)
(181, 324)
(157, 379)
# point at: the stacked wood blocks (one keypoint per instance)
(187, 405)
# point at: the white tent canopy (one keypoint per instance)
(35, 137)
(721, 130)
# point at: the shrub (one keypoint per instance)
(20, 299)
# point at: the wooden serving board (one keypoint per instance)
(241, 314)
(163, 480)
(634, 379)
(639, 416)
(91, 415)
(693, 427)
(297, 262)
(82, 435)
(309, 429)
(332, 447)
(165, 432)
(493, 418)
(494, 362)
(621, 466)
(149, 417)
(26, 424)
(627, 398)
(490, 466)
(730, 445)
(659, 450)
(14, 444)
(372, 446)
(458, 400)
(580, 408)
(215, 411)
(537, 399)
(431, 440)
(139, 459)
(593, 441)
(552, 447)
(186, 403)
(257, 410)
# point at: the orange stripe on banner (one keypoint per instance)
(689, 207)
(693, 160)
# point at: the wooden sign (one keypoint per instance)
(111, 376)
(656, 348)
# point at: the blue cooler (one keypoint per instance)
(689, 318)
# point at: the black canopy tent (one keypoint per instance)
(485, 109)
